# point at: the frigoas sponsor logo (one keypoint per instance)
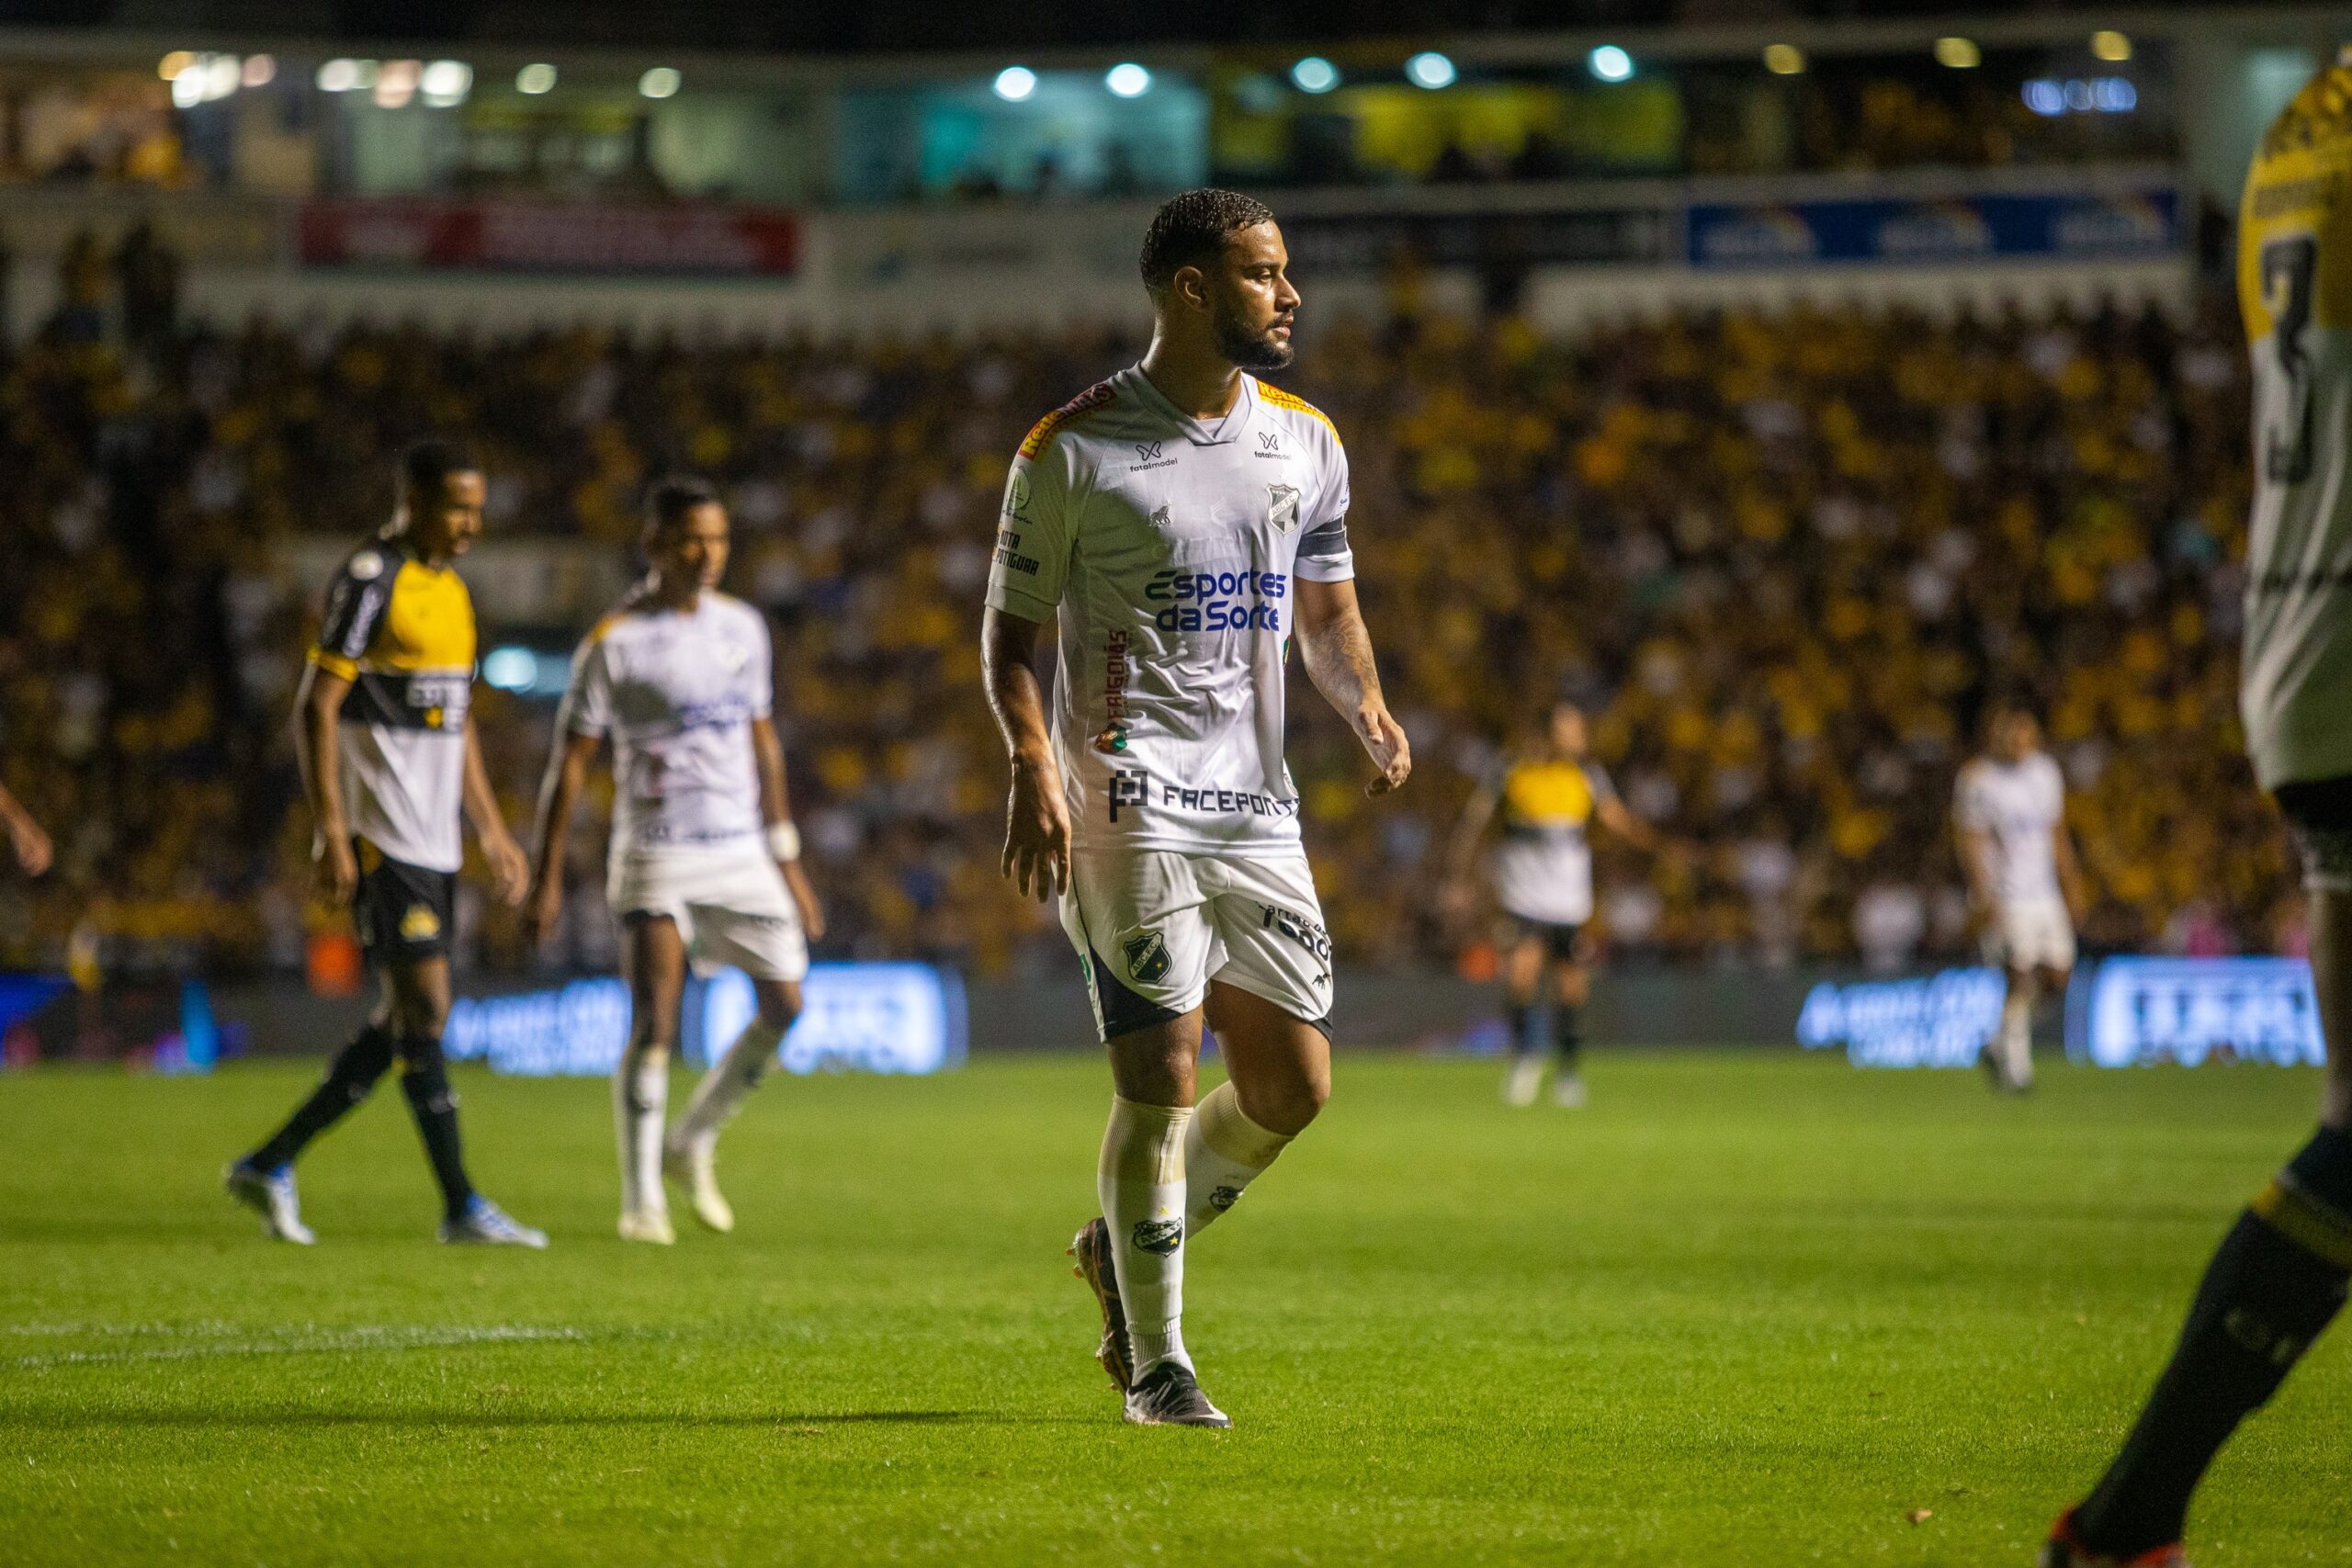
(1218, 601)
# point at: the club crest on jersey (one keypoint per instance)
(1162, 519)
(1016, 496)
(1147, 957)
(1159, 1237)
(1282, 507)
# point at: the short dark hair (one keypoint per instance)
(1192, 226)
(425, 466)
(671, 496)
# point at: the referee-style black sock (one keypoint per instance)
(1567, 1035)
(426, 1080)
(1520, 1017)
(350, 1075)
(2278, 1277)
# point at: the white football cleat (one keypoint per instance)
(484, 1224)
(1525, 1080)
(694, 1166)
(270, 1194)
(648, 1224)
(1568, 1091)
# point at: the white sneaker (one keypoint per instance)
(270, 1194)
(1525, 1080)
(1568, 1091)
(647, 1224)
(484, 1224)
(694, 1166)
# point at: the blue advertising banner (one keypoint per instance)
(2189, 1009)
(882, 1017)
(2137, 224)
(1935, 1021)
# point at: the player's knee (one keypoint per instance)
(1287, 1106)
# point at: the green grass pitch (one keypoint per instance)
(1748, 1309)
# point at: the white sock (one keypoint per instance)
(640, 1101)
(1224, 1152)
(720, 1090)
(1141, 1183)
(2016, 1036)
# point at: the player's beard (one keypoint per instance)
(1246, 349)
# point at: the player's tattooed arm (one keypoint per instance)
(1036, 823)
(509, 872)
(567, 774)
(1336, 649)
(775, 810)
(318, 715)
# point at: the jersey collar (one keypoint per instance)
(1222, 433)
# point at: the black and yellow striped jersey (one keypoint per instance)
(1544, 865)
(402, 633)
(2295, 288)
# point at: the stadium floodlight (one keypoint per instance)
(396, 83)
(660, 82)
(1430, 69)
(1016, 83)
(220, 73)
(2114, 94)
(1959, 53)
(1127, 80)
(338, 75)
(445, 83)
(510, 669)
(1784, 60)
(172, 64)
(1313, 74)
(536, 79)
(2111, 46)
(1610, 63)
(261, 69)
(187, 89)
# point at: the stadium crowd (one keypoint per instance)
(1785, 560)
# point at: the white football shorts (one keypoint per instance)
(730, 906)
(1153, 927)
(2034, 933)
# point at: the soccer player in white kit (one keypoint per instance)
(2279, 1275)
(704, 864)
(2025, 887)
(1182, 522)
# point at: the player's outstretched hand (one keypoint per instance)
(334, 870)
(543, 908)
(33, 849)
(1036, 832)
(510, 869)
(804, 899)
(1383, 741)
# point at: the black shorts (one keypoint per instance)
(2319, 813)
(402, 910)
(1562, 944)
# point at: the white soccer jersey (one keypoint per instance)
(2021, 805)
(1169, 547)
(2295, 288)
(677, 692)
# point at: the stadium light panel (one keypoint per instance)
(1784, 60)
(187, 89)
(1959, 53)
(1431, 70)
(396, 83)
(1016, 83)
(1610, 63)
(2111, 46)
(1314, 74)
(660, 82)
(445, 83)
(536, 79)
(172, 64)
(510, 669)
(261, 69)
(1127, 80)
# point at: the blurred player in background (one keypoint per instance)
(384, 732)
(2025, 887)
(1182, 521)
(704, 859)
(2279, 1275)
(26, 841)
(1549, 797)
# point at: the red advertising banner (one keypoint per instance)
(712, 241)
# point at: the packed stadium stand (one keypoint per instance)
(1784, 558)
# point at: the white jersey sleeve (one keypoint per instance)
(1035, 531)
(587, 706)
(1972, 803)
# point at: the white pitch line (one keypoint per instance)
(301, 1344)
